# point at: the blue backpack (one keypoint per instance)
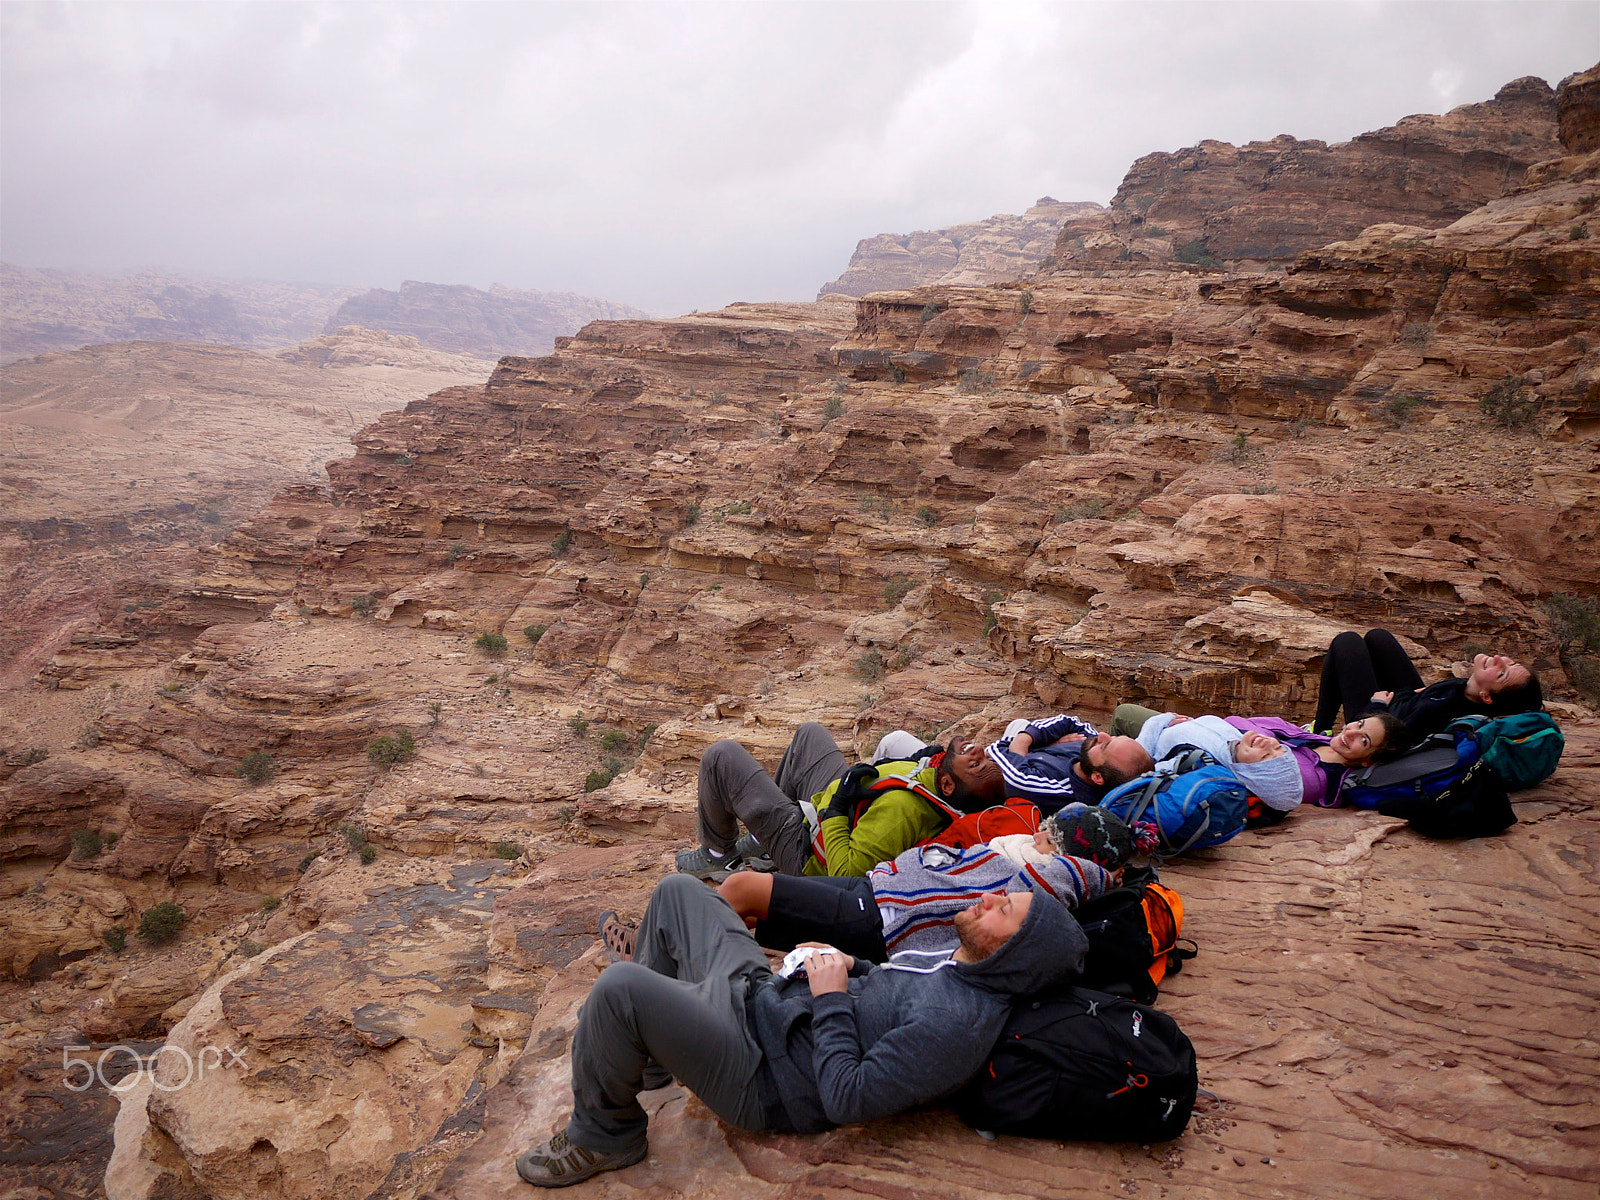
(1523, 748)
(1427, 770)
(1191, 800)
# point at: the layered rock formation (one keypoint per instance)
(465, 320)
(973, 253)
(44, 310)
(1157, 486)
(1266, 202)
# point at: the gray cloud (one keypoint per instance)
(668, 156)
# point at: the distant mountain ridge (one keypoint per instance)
(467, 320)
(971, 254)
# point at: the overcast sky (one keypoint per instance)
(673, 157)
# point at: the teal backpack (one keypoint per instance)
(1523, 748)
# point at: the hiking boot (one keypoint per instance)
(618, 936)
(755, 858)
(700, 863)
(560, 1163)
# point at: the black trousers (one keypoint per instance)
(1357, 666)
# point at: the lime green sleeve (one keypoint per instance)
(896, 821)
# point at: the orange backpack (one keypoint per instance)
(1014, 816)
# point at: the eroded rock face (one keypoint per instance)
(974, 252)
(1266, 202)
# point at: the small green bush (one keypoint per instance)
(116, 938)
(1239, 449)
(88, 737)
(897, 374)
(305, 863)
(930, 310)
(691, 514)
(492, 644)
(1575, 622)
(387, 751)
(833, 408)
(645, 734)
(161, 923)
(974, 380)
(561, 543)
(36, 755)
(1026, 302)
(902, 658)
(354, 834)
(249, 948)
(878, 506)
(507, 850)
(86, 843)
(1259, 489)
(435, 714)
(869, 664)
(896, 589)
(1578, 232)
(1397, 410)
(597, 779)
(270, 903)
(455, 552)
(360, 604)
(613, 740)
(1081, 510)
(368, 854)
(1415, 333)
(1195, 252)
(579, 726)
(534, 632)
(1511, 403)
(927, 516)
(257, 767)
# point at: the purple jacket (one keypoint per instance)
(1314, 773)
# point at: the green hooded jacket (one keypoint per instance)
(897, 819)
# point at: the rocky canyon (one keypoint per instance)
(396, 734)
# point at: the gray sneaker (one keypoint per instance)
(755, 858)
(559, 1163)
(702, 864)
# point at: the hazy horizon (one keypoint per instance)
(668, 157)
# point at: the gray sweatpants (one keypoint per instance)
(679, 1003)
(734, 788)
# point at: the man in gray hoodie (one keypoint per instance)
(850, 1042)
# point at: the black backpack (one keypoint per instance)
(1079, 1065)
(1475, 805)
(1133, 933)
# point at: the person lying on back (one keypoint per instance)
(1062, 759)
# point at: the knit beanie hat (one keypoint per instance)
(1277, 780)
(1093, 833)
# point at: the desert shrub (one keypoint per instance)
(211, 516)
(1415, 333)
(1259, 489)
(870, 664)
(161, 923)
(991, 619)
(1081, 509)
(1026, 302)
(354, 834)
(896, 589)
(902, 658)
(1579, 343)
(173, 687)
(507, 850)
(86, 843)
(598, 778)
(1397, 410)
(116, 938)
(360, 604)
(645, 734)
(691, 514)
(111, 839)
(878, 506)
(249, 948)
(613, 740)
(492, 644)
(1578, 232)
(35, 755)
(927, 516)
(435, 712)
(88, 737)
(1575, 622)
(455, 552)
(1238, 450)
(305, 863)
(368, 854)
(270, 903)
(579, 726)
(974, 380)
(833, 408)
(1511, 403)
(897, 374)
(561, 543)
(1195, 252)
(257, 767)
(930, 310)
(387, 751)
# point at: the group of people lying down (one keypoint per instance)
(931, 885)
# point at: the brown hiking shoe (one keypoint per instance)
(560, 1163)
(618, 936)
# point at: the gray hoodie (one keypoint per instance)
(909, 1032)
(1277, 781)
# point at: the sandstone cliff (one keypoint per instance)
(975, 252)
(937, 509)
(466, 320)
(44, 310)
(1266, 202)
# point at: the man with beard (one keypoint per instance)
(858, 816)
(848, 1043)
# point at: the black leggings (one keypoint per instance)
(1357, 666)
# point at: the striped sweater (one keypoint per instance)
(922, 890)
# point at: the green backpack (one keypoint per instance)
(1523, 748)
